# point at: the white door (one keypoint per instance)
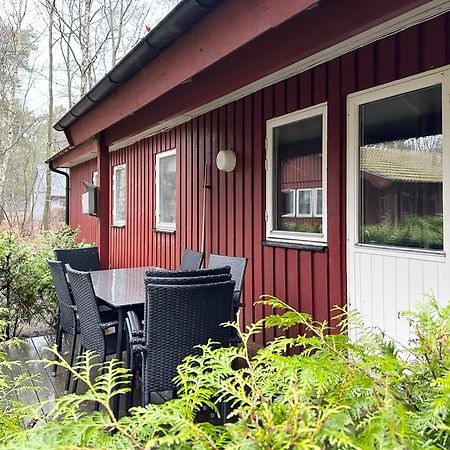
(398, 194)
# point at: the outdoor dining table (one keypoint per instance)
(122, 290)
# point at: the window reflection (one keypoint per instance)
(297, 148)
(401, 170)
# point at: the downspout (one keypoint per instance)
(60, 172)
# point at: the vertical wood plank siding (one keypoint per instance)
(310, 281)
(88, 225)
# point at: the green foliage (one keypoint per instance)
(302, 227)
(311, 391)
(13, 413)
(413, 231)
(26, 288)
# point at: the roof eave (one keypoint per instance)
(180, 20)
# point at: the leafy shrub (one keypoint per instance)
(413, 231)
(302, 227)
(26, 288)
(13, 413)
(328, 392)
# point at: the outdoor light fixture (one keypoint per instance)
(226, 160)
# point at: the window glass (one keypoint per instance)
(297, 165)
(318, 203)
(166, 190)
(119, 195)
(400, 167)
(304, 202)
(288, 203)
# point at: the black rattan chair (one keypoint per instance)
(191, 260)
(92, 328)
(156, 272)
(178, 318)
(237, 269)
(133, 324)
(85, 259)
(189, 280)
(67, 319)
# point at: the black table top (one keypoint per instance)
(120, 288)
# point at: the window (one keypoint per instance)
(400, 170)
(318, 203)
(304, 202)
(95, 178)
(296, 174)
(166, 169)
(119, 195)
(288, 203)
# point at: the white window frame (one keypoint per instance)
(163, 226)
(294, 201)
(295, 236)
(423, 80)
(315, 213)
(311, 201)
(119, 222)
(95, 178)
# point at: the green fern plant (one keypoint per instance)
(316, 390)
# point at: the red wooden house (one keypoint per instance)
(338, 114)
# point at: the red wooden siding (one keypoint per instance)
(88, 225)
(310, 281)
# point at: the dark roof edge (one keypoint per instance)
(181, 19)
(58, 154)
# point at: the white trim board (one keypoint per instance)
(409, 19)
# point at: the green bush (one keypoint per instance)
(313, 391)
(423, 232)
(26, 289)
(13, 413)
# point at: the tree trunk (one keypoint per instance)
(48, 179)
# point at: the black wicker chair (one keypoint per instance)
(178, 318)
(237, 269)
(189, 280)
(92, 328)
(85, 259)
(191, 260)
(156, 272)
(67, 319)
(133, 323)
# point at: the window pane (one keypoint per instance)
(318, 211)
(297, 163)
(401, 170)
(120, 192)
(167, 185)
(304, 202)
(288, 203)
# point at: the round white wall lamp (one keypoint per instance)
(226, 160)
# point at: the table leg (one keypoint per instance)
(120, 327)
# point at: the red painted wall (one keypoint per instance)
(88, 225)
(310, 281)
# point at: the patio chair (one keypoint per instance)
(85, 259)
(191, 260)
(67, 318)
(237, 266)
(133, 323)
(178, 318)
(156, 272)
(237, 269)
(92, 327)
